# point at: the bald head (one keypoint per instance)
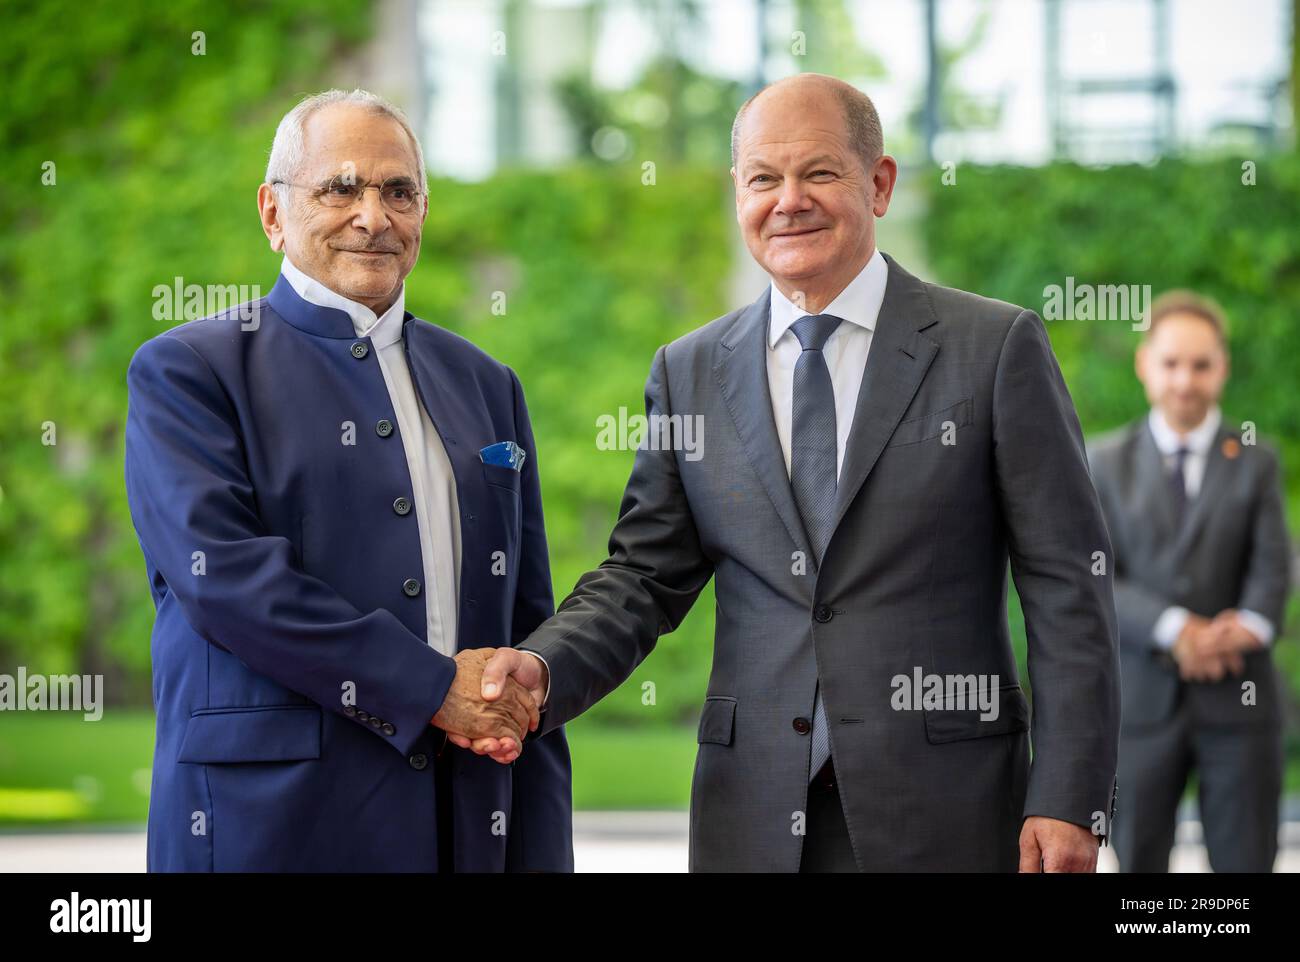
(811, 178)
(861, 122)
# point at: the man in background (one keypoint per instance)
(1194, 508)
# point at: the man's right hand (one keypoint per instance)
(466, 714)
(508, 666)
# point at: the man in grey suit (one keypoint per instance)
(1201, 575)
(876, 448)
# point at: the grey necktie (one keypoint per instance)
(813, 475)
(1178, 484)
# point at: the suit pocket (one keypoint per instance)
(955, 722)
(276, 733)
(718, 720)
(501, 476)
(927, 426)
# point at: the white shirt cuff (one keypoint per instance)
(1169, 626)
(1257, 625)
(546, 696)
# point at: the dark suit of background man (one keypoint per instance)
(875, 448)
(321, 536)
(1202, 568)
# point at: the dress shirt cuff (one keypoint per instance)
(1257, 625)
(1169, 626)
(546, 696)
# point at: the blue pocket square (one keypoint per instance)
(505, 454)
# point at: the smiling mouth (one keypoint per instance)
(799, 233)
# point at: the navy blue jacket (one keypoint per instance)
(282, 577)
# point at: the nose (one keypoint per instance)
(370, 214)
(1184, 379)
(793, 198)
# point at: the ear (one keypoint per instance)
(271, 215)
(1139, 360)
(735, 182)
(884, 175)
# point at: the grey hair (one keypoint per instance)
(860, 117)
(288, 150)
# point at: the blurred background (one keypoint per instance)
(1112, 141)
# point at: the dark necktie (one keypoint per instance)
(813, 473)
(1178, 485)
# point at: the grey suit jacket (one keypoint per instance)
(914, 579)
(1231, 552)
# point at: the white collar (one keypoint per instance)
(382, 331)
(1198, 440)
(859, 302)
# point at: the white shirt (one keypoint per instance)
(437, 511)
(845, 351)
(1198, 442)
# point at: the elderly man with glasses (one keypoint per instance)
(329, 500)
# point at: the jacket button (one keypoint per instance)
(402, 506)
(359, 349)
(375, 722)
(349, 710)
(823, 613)
(411, 587)
(802, 726)
(384, 427)
(363, 715)
(419, 762)
(389, 728)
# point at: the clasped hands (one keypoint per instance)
(1208, 648)
(493, 701)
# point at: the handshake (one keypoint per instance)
(1208, 648)
(494, 700)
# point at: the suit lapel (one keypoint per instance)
(436, 384)
(442, 389)
(1213, 482)
(741, 370)
(896, 364)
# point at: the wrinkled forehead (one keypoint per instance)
(344, 138)
(785, 130)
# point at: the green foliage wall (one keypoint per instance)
(157, 152)
(1010, 232)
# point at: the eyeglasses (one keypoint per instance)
(397, 193)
